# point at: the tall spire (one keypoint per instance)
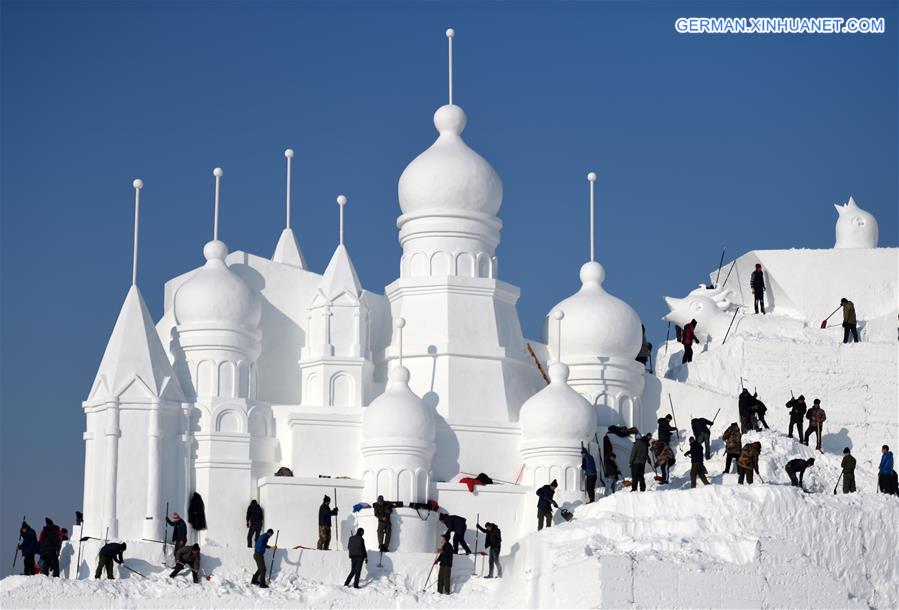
(450, 34)
(591, 178)
(557, 316)
(217, 172)
(138, 184)
(287, 251)
(400, 324)
(341, 202)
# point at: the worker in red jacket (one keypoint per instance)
(688, 338)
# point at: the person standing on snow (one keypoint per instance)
(445, 572)
(757, 283)
(886, 480)
(850, 323)
(688, 338)
(848, 466)
(759, 409)
(588, 465)
(457, 526)
(358, 555)
(665, 429)
(745, 406)
(259, 558)
(325, 512)
(612, 474)
(664, 459)
(638, 460)
(255, 517)
(697, 467)
(545, 504)
(798, 466)
(816, 418)
(383, 510)
(701, 430)
(28, 546)
(49, 545)
(733, 445)
(179, 530)
(109, 553)
(797, 412)
(748, 462)
(493, 540)
(187, 556)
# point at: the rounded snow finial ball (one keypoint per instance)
(592, 273)
(215, 249)
(399, 374)
(289, 153)
(450, 33)
(450, 119)
(558, 314)
(217, 172)
(400, 322)
(341, 200)
(558, 372)
(591, 176)
(138, 183)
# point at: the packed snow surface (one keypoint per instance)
(724, 545)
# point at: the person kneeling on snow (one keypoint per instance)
(798, 466)
(187, 556)
(109, 553)
(748, 462)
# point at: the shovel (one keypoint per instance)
(824, 322)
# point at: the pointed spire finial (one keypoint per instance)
(217, 172)
(138, 184)
(450, 34)
(400, 323)
(289, 154)
(341, 201)
(591, 177)
(557, 316)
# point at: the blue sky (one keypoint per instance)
(700, 142)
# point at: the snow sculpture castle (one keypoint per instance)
(259, 363)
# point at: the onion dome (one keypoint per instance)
(596, 323)
(215, 294)
(449, 176)
(399, 416)
(557, 411)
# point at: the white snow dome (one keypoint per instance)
(450, 176)
(557, 411)
(215, 294)
(399, 415)
(597, 323)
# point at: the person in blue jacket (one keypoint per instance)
(588, 465)
(886, 478)
(28, 546)
(259, 558)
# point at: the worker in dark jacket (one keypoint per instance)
(457, 526)
(259, 558)
(703, 433)
(848, 466)
(759, 409)
(757, 283)
(358, 555)
(383, 510)
(187, 556)
(179, 530)
(797, 409)
(445, 572)
(638, 459)
(545, 504)
(748, 462)
(255, 517)
(645, 349)
(816, 418)
(798, 466)
(665, 429)
(688, 338)
(493, 540)
(325, 512)
(49, 544)
(28, 547)
(746, 403)
(850, 323)
(109, 553)
(612, 474)
(733, 445)
(588, 465)
(697, 467)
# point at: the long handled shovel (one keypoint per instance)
(824, 321)
(16, 554)
(271, 566)
(838, 484)
(428, 579)
(476, 530)
(336, 525)
(132, 570)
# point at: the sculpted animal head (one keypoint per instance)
(707, 313)
(719, 295)
(855, 227)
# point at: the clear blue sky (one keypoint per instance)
(700, 142)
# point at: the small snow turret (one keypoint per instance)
(855, 227)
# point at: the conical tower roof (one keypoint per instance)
(288, 252)
(135, 361)
(339, 279)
